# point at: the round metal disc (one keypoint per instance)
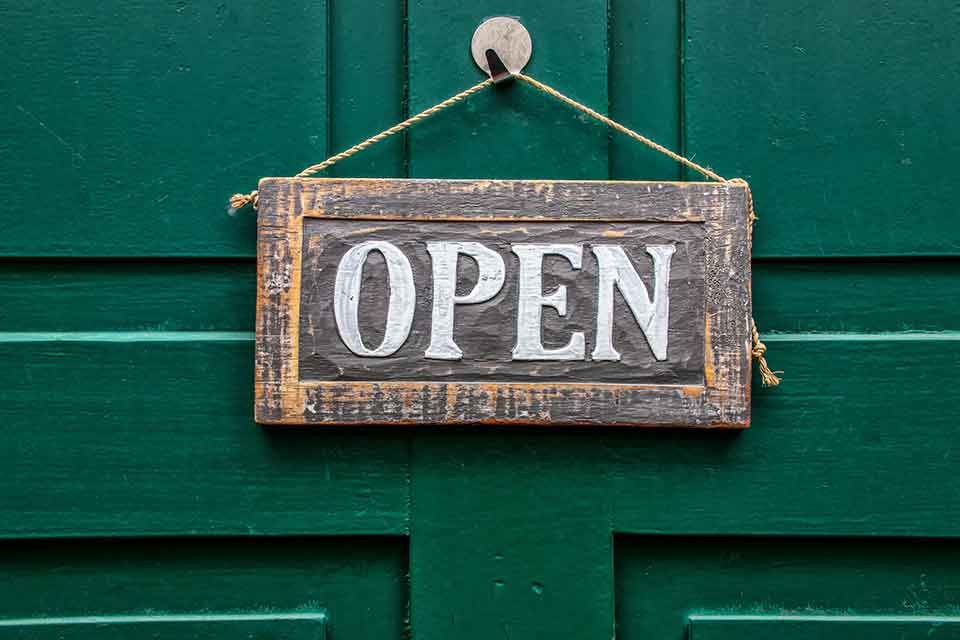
(507, 37)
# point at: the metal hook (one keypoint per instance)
(501, 46)
(498, 70)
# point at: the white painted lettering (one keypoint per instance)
(490, 275)
(615, 270)
(532, 301)
(400, 307)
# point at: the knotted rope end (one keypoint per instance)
(240, 200)
(768, 376)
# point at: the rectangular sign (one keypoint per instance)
(515, 302)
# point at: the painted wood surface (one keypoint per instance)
(510, 131)
(834, 131)
(144, 115)
(290, 626)
(152, 434)
(854, 627)
(754, 587)
(357, 583)
(126, 383)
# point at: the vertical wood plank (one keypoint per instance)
(366, 84)
(645, 86)
(510, 537)
(509, 131)
(503, 525)
(842, 116)
(125, 126)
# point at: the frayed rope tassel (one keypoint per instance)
(767, 375)
(240, 200)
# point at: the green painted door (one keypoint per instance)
(137, 496)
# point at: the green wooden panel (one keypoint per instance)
(292, 626)
(662, 580)
(510, 526)
(842, 115)
(147, 434)
(862, 296)
(133, 295)
(644, 78)
(126, 126)
(510, 131)
(127, 404)
(366, 85)
(359, 582)
(824, 627)
(860, 439)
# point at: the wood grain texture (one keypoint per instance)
(127, 141)
(509, 131)
(510, 527)
(841, 117)
(127, 295)
(835, 627)
(559, 495)
(492, 200)
(366, 85)
(857, 295)
(282, 626)
(286, 397)
(861, 439)
(132, 436)
(645, 42)
(346, 577)
(125, 385)
(756, 587)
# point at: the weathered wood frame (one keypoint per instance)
(722, 401)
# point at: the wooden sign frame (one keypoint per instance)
(722, 400)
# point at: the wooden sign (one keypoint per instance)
(508, 302)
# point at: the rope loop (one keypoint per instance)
(769, 377)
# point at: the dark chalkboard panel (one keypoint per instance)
(307, 372)
(486, 332)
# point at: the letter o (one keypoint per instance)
(400, 306)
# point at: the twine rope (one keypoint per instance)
(613, 124)
(240, 200)
(758, 348)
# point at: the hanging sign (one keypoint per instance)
(506, 302)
